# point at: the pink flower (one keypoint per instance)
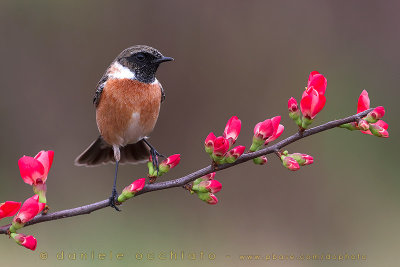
(292, 105)
(232, 129)
(165, 166)
(363, 102)
(290, 163)
(234, 154)
(9, 208)
(278, 129)
(132, 189)
(25, 241)
(35, 170)
(209, 198)
(263, 129)
(209, 143)
(302, 159)
(136, 186)
(312, 102)
(375, 115)
(221, 146)
(265, 132)
(212, 186)
(318, 81)
(28, 211)
(380, 127)
(172, 161)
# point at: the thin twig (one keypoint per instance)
(194, 175)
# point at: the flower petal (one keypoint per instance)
(46, 158)
(363, 102)
(30, 169)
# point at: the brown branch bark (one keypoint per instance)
(194, 175)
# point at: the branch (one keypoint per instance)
(194, 175)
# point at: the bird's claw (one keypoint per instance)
(114, 200)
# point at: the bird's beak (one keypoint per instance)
(163, 59)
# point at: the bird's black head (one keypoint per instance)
(143, 61)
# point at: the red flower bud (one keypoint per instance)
(25, 241)
(172, 161)
(311, 103)
(209, 143)
(232, 129)
(209, 198)
(377, 126)
(9, 208)
(302, 159)
(278, 129)
(318, 81)
(363, 102)
(234, 153)
(375, 115)
(28, 211)
(378, 129)
(263, 129)
(212, 186)
(221, 146)
(132, 189)
(292, 105)
(290, 163)
(164, 166)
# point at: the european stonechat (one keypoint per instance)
(127, 101)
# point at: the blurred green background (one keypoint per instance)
(244, 58)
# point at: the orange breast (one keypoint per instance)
(127, 111)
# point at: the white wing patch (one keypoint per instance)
(118, 71)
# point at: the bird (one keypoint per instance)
(127, 101)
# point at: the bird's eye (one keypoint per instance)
(140, 57)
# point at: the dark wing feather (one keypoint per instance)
(162, 93)
(99, 90)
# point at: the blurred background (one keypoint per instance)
(244, 58)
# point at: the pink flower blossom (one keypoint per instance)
(292, 105)
(132, 189)
(363, 102)
(233, 154)
(318, 81)
(232, 129)
(35, 170)
(278, 129)
(9, 208)
(30, 208)
(221, 146)
(209, 198)
(290, 163)
(25, 241)
(312, 102)
(380, 127)
(212, 186)
(209, 143)
(263, 129)
(302, 159)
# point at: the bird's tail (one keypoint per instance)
(99, 152)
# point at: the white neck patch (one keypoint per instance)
(118, 71)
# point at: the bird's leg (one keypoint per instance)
(154, 155)
(114, 194)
